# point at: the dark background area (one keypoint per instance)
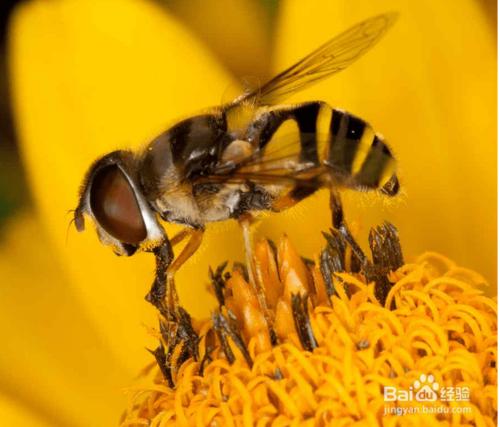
(13, 188)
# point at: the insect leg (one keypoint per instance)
(245, 221)
(337, 210)
(195, 238)
(163, 256)
(163, 294)
(180, 236)
(338, 222)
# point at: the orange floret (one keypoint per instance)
(326, 357)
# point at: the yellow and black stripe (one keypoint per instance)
(359, 158)
(331, 140)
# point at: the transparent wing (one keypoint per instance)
(330, 58)
(282, 177)
(372, 166)
(280, 163)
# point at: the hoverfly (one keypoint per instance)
(235, 161)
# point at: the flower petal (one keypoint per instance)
(430, 88)
(52, 359)
(89, 77)
(246, 29)
(14, 414)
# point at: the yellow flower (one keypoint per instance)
(340, 339)
(89, 77)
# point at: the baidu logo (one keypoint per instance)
(426, 389)
(432, 398)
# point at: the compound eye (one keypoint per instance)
(115, 206)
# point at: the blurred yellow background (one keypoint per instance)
(88, 77)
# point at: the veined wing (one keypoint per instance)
(332, 57)
(281, 163)
(370, 166)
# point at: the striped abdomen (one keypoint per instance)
(346, 145)
(359, 158)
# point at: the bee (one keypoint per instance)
(250, 155)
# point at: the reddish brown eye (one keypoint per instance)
(115, 207)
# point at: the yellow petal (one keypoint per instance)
(430, 88)
(15, 414)
(88, 77)
(242, 43)
(52, 359)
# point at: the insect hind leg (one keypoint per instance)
(339, 224)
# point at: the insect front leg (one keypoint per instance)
(163, 257)
(163, 294)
